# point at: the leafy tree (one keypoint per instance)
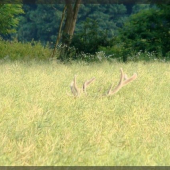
(147, 30)
(41, 22)
(139, 7)
(90, 38)
(8, 19)
(109, 17)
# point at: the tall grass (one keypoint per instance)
(14, 50)
(41, 124)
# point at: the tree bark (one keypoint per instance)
(71, 18)
(59, 32)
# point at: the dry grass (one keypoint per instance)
(42, 125)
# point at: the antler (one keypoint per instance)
(86, 83)
(75, 90)
(123, 81)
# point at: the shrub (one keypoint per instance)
(14, 50)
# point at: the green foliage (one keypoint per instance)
(139, 7)
(90, 38)
(14, 50)
(121, 54)
(114, 51)
(86, 44)
(70, 54)
(8, 17)
(147, 30)
(41, 21)
(108, 16)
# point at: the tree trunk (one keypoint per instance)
(70, 22)
(68, 30)
(59, 32)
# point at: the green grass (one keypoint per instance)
(14, 50)
(41, 124)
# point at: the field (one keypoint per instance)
(43, 124)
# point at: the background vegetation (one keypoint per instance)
(117, 30)
(8, 21)
(120, 31)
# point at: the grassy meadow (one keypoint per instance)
(43, 124)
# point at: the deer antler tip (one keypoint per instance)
(72, 83)
(121, 70)
(135, 75)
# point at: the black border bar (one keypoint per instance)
(84, 167)
(86, 1)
